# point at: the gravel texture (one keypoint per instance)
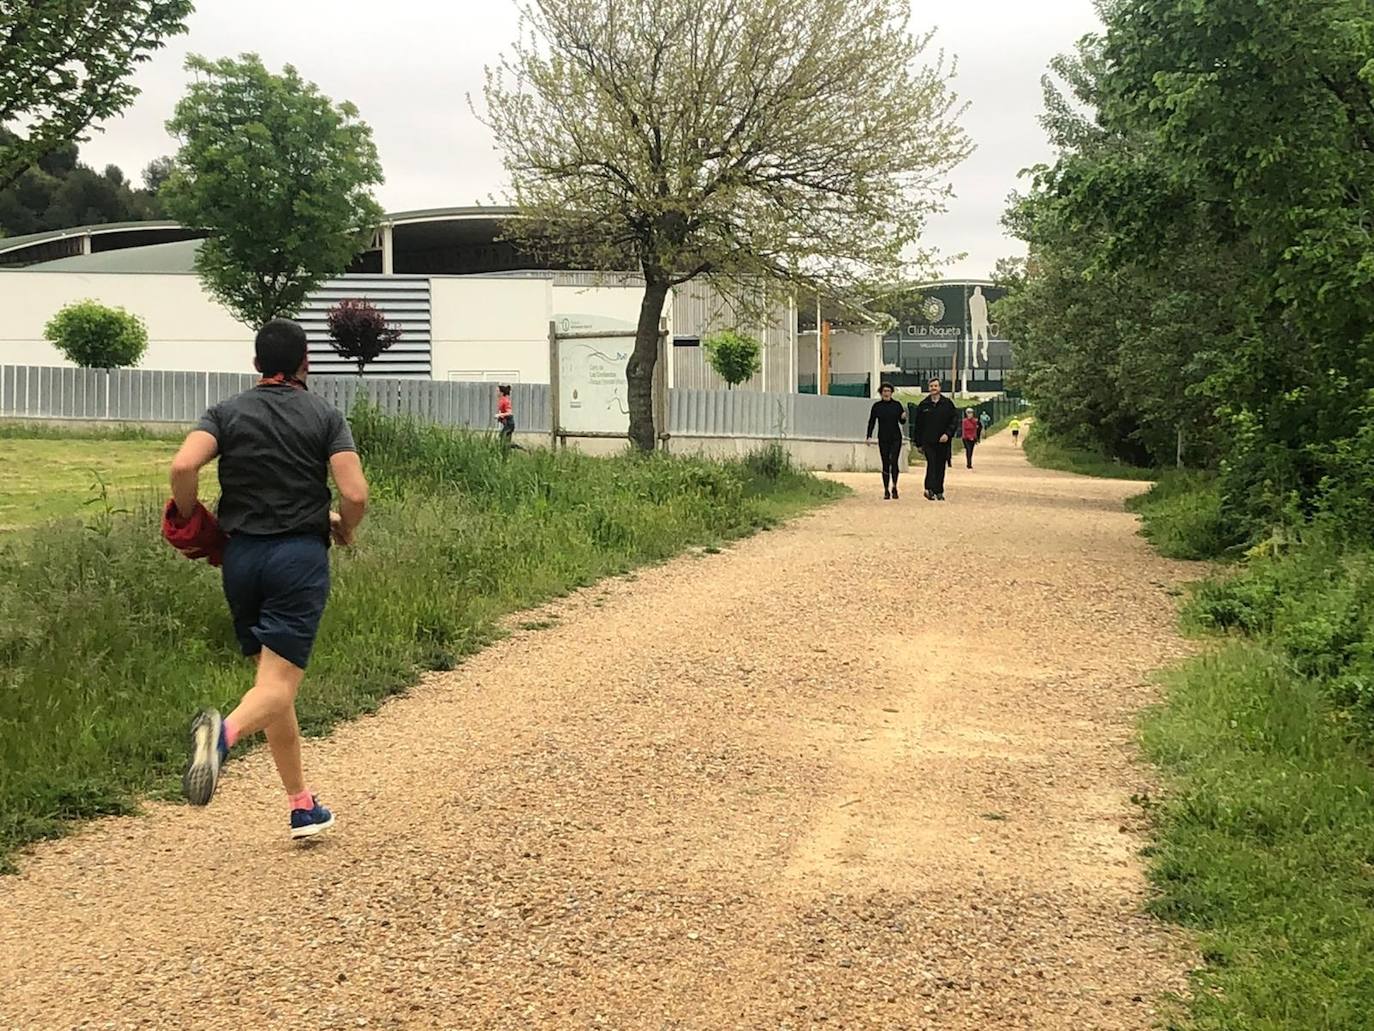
(756, 789)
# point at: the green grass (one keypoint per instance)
(1265, 838)
(109, 640)
(49, 477)
(1046, 451)
(1265, 846)
(1181, 515)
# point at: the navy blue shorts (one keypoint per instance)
(277, 588)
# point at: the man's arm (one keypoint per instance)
(872, 420)
(347, 469)
(198, 451)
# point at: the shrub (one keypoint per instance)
(1182, 516)
(98, 337)
(735, 357)
(359, 332)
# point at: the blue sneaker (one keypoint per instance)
(306, 823)
(208, 751)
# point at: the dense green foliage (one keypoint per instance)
(1200, 251)
(59, 192)
(96, 336)
(109, 640)
(66, 64)
(735, 357)
(279, 175)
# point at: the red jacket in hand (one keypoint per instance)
(196, 537)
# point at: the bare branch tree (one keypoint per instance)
(802, 140)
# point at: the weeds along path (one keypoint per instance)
(871, 770)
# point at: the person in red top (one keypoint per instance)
(505, 417)
(972, 432)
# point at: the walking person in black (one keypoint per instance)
(889, 416)
(937, 422)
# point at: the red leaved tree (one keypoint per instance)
(359, 332)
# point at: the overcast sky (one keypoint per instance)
(409, 65)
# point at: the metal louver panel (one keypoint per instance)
(404, 300)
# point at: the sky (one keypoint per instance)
(409, 66)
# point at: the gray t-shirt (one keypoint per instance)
(275, 442)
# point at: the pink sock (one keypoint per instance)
(231, 734)
(302, 801)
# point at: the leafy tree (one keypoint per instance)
(279, 175)
(747, 140)
(1200, 248)
(66, 64)
(735, 357)
(359, 332)
(60, 192)
(97, 337)
(156, 173)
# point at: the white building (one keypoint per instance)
(471, 306)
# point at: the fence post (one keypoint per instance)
(554, 374)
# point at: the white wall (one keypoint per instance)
(498, 325)
(187, 329)
(852, 353)
(610, 302)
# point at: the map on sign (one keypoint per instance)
(591, 385)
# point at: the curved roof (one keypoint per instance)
(93, 247)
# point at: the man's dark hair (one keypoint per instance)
(280, 348)
(935, 379)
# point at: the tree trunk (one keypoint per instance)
(639, 373)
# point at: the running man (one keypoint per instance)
(277, 445)
(1015, 426)
(889, 416)
(937, 421)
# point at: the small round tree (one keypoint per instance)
(359, 332)
(98, 337)
(735, 357)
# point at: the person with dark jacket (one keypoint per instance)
(937, 423)
(889, 416)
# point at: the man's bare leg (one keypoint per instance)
(269, 705)
(272, 695)
(284, 740)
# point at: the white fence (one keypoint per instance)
(145, 395)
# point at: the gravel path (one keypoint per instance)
(747, 790)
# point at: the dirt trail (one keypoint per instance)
(749, 790)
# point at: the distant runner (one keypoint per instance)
(889, 416)
(505, 418)
(1015, 432)
(937, 421)
(277, 445)
(972, 432)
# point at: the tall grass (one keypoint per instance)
(1045, 450)
(1265, 846)
(109, 640)
(1266, 835)
(1181, 515)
